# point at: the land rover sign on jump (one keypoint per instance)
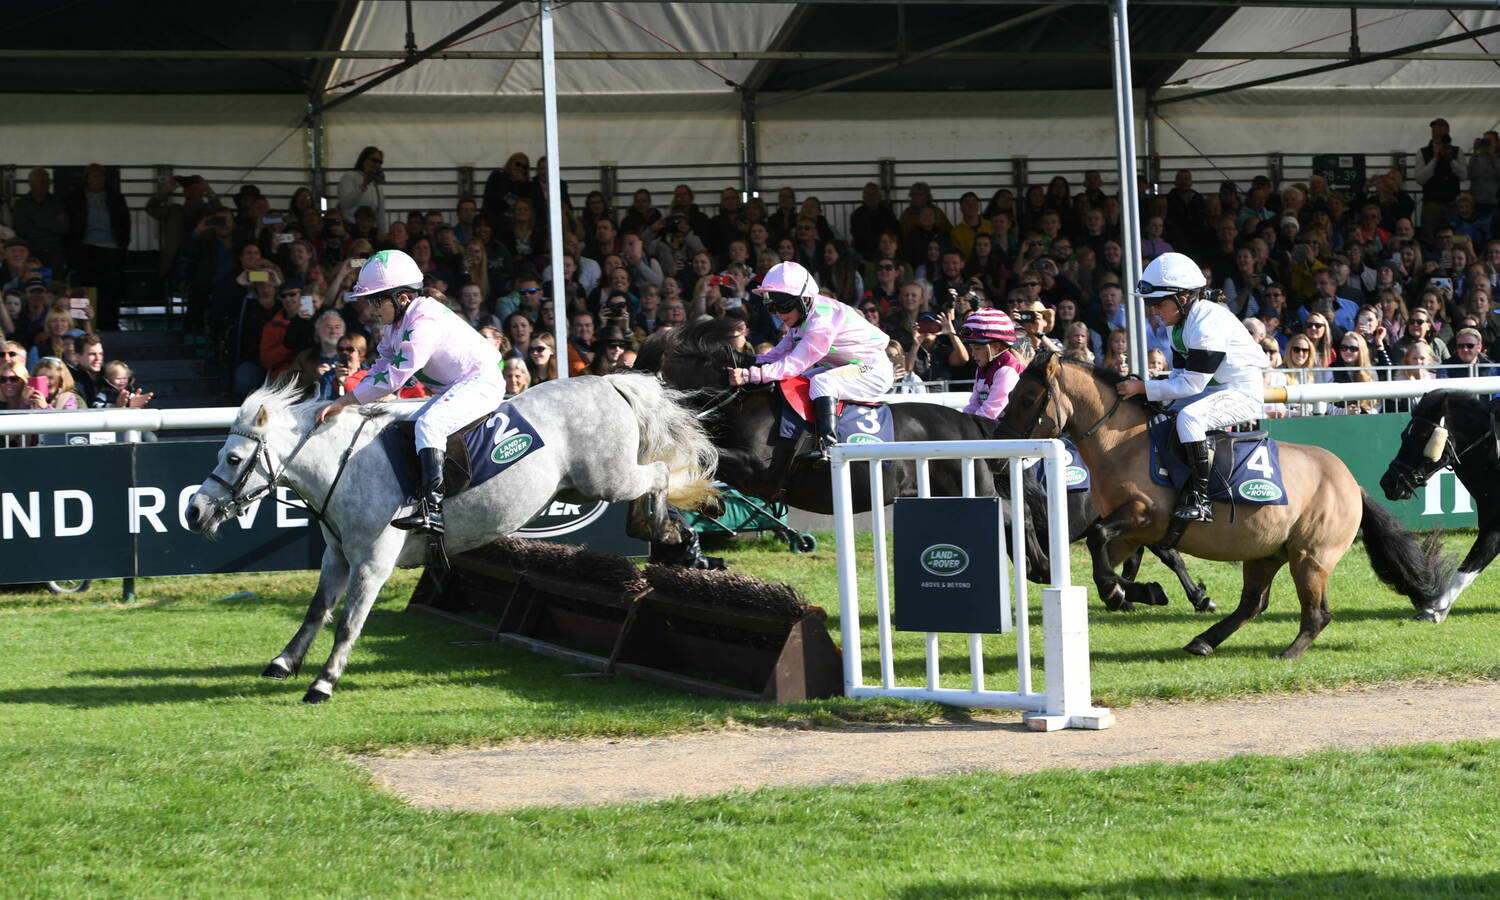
(948, 565)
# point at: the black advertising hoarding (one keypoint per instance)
(948, 565)
(116, 510)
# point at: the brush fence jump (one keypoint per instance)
(1064, 699)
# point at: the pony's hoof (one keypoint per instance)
(1115, 600)
(315, 696)
(1205, 605)
(275, 671)
(1199, 647)
(1155, 596)
(1430, 615)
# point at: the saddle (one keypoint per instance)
(474, 454)
(400, 442)
(1246, 464)
(859, 421)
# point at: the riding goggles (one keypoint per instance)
(781, 301)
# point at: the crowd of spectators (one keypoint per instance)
(1337, 285)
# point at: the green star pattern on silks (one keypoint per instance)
(380, 378)
(398, 359)
(405, 335)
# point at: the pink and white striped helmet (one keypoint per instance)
(986, 325)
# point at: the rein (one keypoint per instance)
(1049, 394)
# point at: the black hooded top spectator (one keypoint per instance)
(869, 220)
(728, 226)
(505, 186)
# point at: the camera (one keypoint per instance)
(1022, 316)
(720, 281)
(927, 323)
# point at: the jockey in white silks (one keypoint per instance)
(1216, 369)
(457, 363)
(842, 354)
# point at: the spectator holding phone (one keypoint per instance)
(317, 365)
(51, 387)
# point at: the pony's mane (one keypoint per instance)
(707, 343)
(1456, 401)
(282, 395)
(1108, 376)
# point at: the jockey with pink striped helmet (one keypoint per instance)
(842, 354)
(990, 334)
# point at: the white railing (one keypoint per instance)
(136, 420)
(1065, 700)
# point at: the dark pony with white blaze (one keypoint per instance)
(614, 438)
(1452, 430)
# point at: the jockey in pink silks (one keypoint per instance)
(423, 337)
(842, 354)
(990, 335)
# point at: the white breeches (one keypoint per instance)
(852, 381)
(465, 401)
(1220, 409)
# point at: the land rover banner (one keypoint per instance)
(116, 510)
(948, 570)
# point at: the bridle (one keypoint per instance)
(240, 500)
(1049, 393)
(1413, 476)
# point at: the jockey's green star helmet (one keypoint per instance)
(385, 272)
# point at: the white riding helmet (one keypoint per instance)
(385, 270)
(1169, 275)
(784, 284)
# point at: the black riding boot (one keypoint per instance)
(1194, 505)
(825, 426)
(428, 515)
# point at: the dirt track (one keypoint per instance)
(601, 772)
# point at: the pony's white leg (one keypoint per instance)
(366, 577)
(648, 481)
(331, 583)
(1439, 610)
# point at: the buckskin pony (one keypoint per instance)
(1309, 534)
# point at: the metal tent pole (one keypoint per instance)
(554, 189)
(1130, 237)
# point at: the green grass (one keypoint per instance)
(139, 754)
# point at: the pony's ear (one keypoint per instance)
(1051, 362)
(262, 418)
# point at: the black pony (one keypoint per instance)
(1452, 429)
(742, 422)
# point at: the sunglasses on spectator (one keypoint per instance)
(869, 309)
(540, 348)
(885, 267)
(1348, 348)
(528, 290)
(1316, 325)
(1419, 321)
(1468, 346)
(1031, 284)
(12, 353)
(1299, 350)
(11, 379)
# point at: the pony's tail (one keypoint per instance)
(670, 433)
(1420, 570)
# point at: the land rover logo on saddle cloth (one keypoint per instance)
(944, 560)
(1260, 490)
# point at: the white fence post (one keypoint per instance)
(1065, 700)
